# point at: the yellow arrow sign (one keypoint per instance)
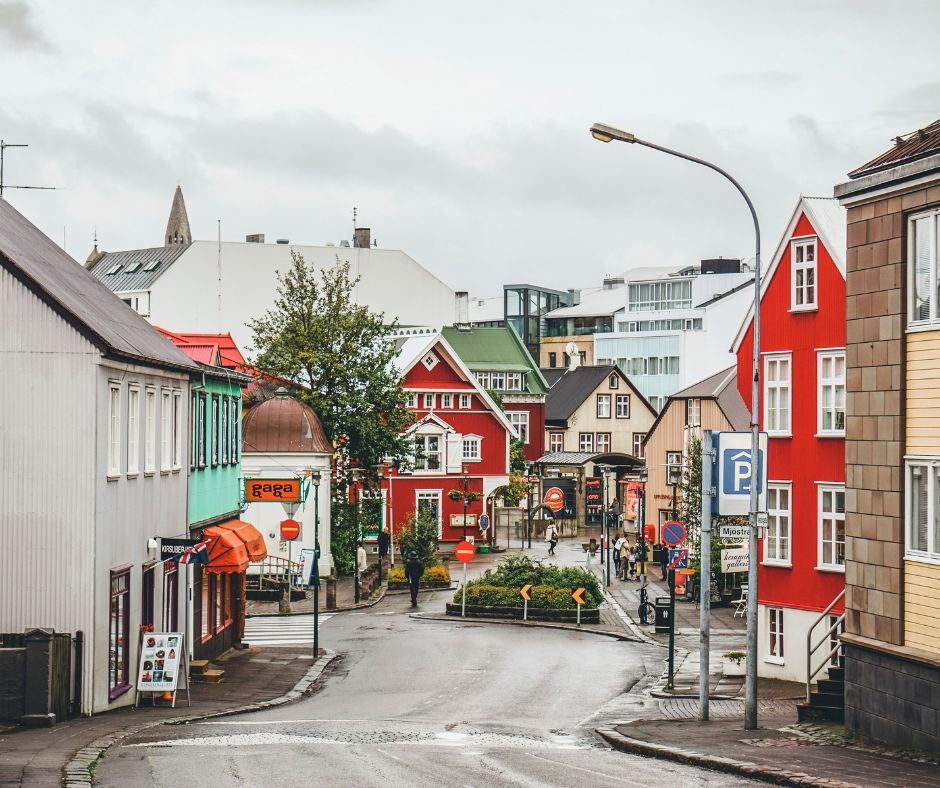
(525, 591)
(578, 596)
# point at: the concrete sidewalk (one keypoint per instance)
(256, 676)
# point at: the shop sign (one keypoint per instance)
(175, 548)
(734, 559)
(593, 494)
(160, 657)
(276, 490)
(456, 520)
(560, 497)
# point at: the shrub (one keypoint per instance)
(519, 570)
(542, 597)
(435, 574)
(418, 534)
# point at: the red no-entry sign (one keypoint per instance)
(464, 552)
(290, 530)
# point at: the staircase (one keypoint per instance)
(827, 701)
(202, 672)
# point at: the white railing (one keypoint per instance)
(834, 628)
(276, 570)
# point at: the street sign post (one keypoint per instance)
(734, 533)
(678, 558)
(732, 473)
(673, 533)
(578, 597)
(524, 592)
(290, 530)
(464, 553)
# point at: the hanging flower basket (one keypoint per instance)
(459, 495)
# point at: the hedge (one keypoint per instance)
(542, 597)
(516, 571)
(431, 574)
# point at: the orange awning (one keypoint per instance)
(227, 553)
(252, 538)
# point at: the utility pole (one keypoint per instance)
(316, 565)
(705, 576)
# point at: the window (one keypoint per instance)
(114, 269)
(193, 430)
(832, 527)
(804, 275)
(224, 418)
(520, 420)
(465, 401)
(119, 640)
(775, 633)
(513, 381)
(233, 430)
(922, 512)
(204, 609)
(471, 449)
(152, 264)
(657, 402)
(586, 442)
(777, 394)
(219, 595)
(428, 401)
(166, 430)
(613, 382)
(638, 438)
(177, 430)
(133, 430)
(922, 268)
(693, 412)
(673, 466)
(556, 441)
(603, 442)
(553, 360)
(428, 453)
(150, 430)
(201, 432)
(447, 400)
(214, 415)
(603, 406)
(483, 378)
(411, 400)
(429, 501)
(832, 393)
(171, 579)
(147, 597)
(623, 406)
(114, 429)
(654, 296)
(777, 538)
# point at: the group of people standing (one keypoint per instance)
(626, 557)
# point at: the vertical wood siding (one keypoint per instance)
(921, 602)
(923, 382)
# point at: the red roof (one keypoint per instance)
(909, 147)
(224, 345)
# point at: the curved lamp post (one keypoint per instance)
(604, 133)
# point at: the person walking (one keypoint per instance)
(413, 571)
(617, 545)
(664, 561)
(631, 562)
(624, 559)
(385, 541)
(551, 536)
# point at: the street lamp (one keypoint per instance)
(606, 133)
(466, 493)
(528, 496)
(315, 479)
(354, 475)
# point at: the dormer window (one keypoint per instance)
(804, 276)
(114, 269)
(613, 382)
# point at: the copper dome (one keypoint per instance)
(283, 424)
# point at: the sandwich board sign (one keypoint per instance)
(162, 664)
(733, 473)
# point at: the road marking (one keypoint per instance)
(589, 771)
(388, 754)
(282, 630)
(276, 722)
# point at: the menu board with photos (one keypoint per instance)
(161, 655)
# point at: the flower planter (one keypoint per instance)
(733, 667)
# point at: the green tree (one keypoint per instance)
(690, 510)
(418, 534)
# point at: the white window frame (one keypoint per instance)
(693, 412)
(465, 402)
(411, 400)
(783, 541)
(582, 442)
(421, 464)
(775, 633)
(638, 438)
(822, 517)
(602, 412)
(520, 418)
(431, 495)
(428, 401)
(552, 445)
(513, 381)
(150, 430)
(133, 429)
(178, 429)
(622, 412)
(114, 429)
(597, 442)
(931, 220)
(930, 468)
(447, 400)
(613, 382)
(471, 451)
(166, 430)
(833, 383)
(781, 387)
(804, 267)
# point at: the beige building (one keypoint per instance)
(710, 404)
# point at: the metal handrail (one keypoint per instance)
(811, 649)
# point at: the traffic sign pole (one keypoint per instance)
(463, 598)
(464, 553)
(705, 576)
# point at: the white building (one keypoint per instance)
(209, 286)
(93, 445)
(676, 329)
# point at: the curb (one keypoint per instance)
(518, 623)
(369, 603)
(628, 620)
(768, 774)
(78, 770)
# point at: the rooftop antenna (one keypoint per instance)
(3, 148)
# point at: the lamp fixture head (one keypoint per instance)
(605, 133)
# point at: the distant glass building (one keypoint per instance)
(524, 307)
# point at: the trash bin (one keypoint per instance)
(517, 528)
(663, 614)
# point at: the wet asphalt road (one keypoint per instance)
(422, 703)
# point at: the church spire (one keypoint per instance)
(177, 226)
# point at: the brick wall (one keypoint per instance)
(874, 446)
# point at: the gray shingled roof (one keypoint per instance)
(79, 297)
(139, 260)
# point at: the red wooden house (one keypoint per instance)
(802, 408)
(461, 437)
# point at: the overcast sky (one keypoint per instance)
(460, 130)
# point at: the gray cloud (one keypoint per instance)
(17, 28)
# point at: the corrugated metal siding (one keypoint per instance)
(921, 602)
(923, 381)
(47, 466)
(668, 436)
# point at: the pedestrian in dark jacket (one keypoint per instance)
(413, 571)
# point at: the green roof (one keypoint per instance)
(498, 348)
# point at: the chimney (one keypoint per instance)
(574, 297)
(610, 282)
(362, 238)
(257, 238)
(462, 307)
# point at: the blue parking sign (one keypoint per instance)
(733, 473)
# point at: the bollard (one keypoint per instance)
(331, 592)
